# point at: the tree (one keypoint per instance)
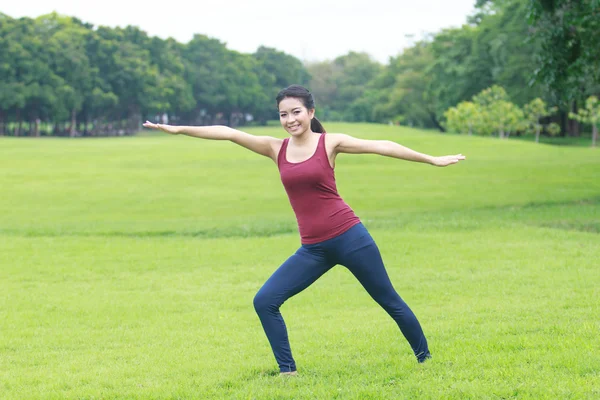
(403, 89)
(354, 72)
(176, 94)
(12, 86)
(204, 60)
(569, 32)
(65, 42)
(464, 117)
(498, 113)
(535, 110)
(553, 129)
(510, 118)
(276, 70)
(569, 35)
(127, 71)
(452, 69)
(240, 90)
(323, 85)
(505, 49)
(590, 115)
(339, 83)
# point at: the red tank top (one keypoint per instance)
(310, 185)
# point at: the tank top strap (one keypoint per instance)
(323, 152)
(282, 152)
(321, 145)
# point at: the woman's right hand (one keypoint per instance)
(170, 129)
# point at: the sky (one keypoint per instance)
(311, 30)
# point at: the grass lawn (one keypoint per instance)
(128, 268)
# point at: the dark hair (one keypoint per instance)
(301, 93)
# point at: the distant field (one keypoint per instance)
(128, 267)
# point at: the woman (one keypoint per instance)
(330, 232)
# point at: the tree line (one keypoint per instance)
(62, 76)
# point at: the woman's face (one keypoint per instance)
(294, 116)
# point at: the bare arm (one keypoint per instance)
(352, 145)
(263, 145)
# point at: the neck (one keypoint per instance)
(304, 137)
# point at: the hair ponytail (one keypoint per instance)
(316, 126)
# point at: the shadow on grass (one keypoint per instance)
(568, 215)
(590, 227)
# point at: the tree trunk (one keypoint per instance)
(73, 127)
(563, 122)
(573, 123)
(537, 133)
(18, 125)
(436, 122)
(86, 121)
(134, 121)
(594, 134)
(37, 127)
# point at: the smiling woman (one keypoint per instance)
(331, 233)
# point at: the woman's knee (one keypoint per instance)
(390, 300)
(263, 301)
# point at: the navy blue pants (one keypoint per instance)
(354, 249)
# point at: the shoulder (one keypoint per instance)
(341, 142)
(265, 145)
(333, 140)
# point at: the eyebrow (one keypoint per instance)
(293, 109)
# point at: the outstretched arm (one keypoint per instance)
(351, 145)
(264, 145)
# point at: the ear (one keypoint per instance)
(311, 113)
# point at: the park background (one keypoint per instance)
(129, 259)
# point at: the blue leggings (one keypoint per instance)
(354, 249)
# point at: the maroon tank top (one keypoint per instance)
(310, 185)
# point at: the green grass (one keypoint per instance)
(128, 268)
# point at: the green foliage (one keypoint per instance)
(58, 69)
(553, 129)
(458, 63)
(465, 117)
(341, 86)
(490, 112)
(491, 96)
(451, 69)
(590, 115)
(534, 112)
(276, 70)
(569, 34)
(401, 89)
(69, 75)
